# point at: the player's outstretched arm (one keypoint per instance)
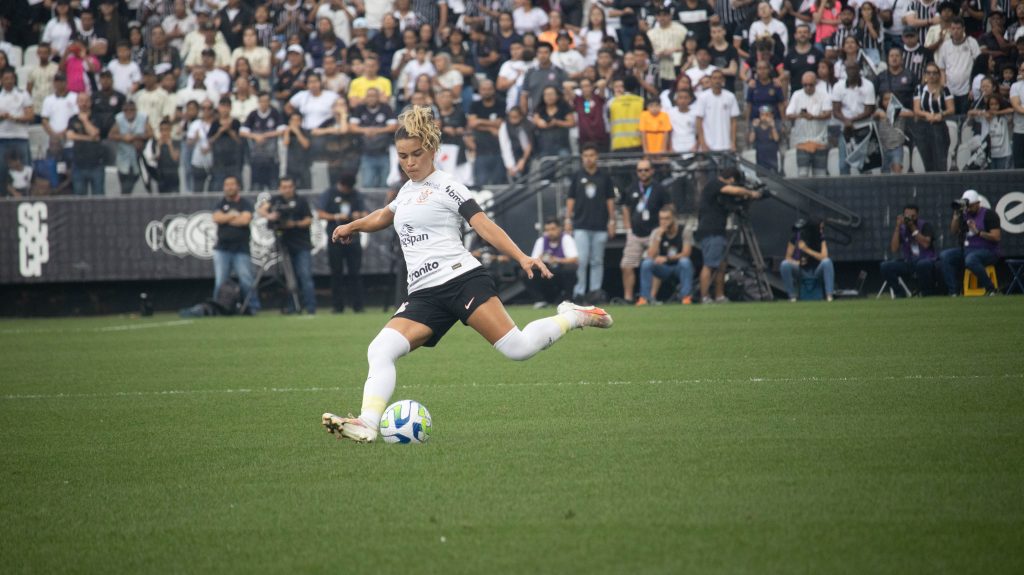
(492, 233)
(376, 221)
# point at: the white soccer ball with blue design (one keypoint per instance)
(405, 421)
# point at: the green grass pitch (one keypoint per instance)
(853, 437)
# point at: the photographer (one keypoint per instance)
(341, 204)
(290, 218)
(720, 196)
(668, 256)
(978, 231)
(232, 214)
(557, 249)
(807, 256)
(912, 238)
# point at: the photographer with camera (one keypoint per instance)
(912, 238)
(721, 196)
(232, 214)
(289, 216)
(807, 256)
(978, 231)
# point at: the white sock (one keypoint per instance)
(537, 335)
(384, 351)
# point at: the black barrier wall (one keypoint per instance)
(44, 240)
(879, 199)
(47, 240)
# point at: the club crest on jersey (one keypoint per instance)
(424, 196)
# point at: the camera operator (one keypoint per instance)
(232, 214)
(558, 250)
(289, 216)
(978, 231)
(341, 204)
(912, 238)
(807, 256)
(719, 194)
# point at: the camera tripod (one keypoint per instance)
(747, 242)
(285, 274)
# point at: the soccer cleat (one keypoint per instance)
(641, 301)
(349, 428)
(589, 316)
(687, 300)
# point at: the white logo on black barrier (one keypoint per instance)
(1011, 212)
(184, 235)
(195, 235)
(33, 239)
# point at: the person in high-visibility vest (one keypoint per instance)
(624, 111)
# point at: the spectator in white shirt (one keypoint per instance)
(314, 104)
(528, 18)
(178, 24)
(58, 108)
(125, 73)
(568, 58)
(684, 123)
(955, 59)
(810, 110)
(853, 103)
(767, 26)
(716, 111)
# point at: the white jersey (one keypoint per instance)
(429, 226)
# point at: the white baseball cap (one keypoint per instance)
(296, 48)
(971, 196)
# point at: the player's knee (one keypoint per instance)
(387, 347)
(516, 346)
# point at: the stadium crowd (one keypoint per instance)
(184, 93)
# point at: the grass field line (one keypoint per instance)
(109, 328)
(708, 380)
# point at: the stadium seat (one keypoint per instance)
(320, 178)
(971, 286)
(111, 185)
(23, 74)
(14, 55)
(38, 141)
(31, 57)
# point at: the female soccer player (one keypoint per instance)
(446, 283)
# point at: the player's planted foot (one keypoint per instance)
(589, 316)
(349, 428)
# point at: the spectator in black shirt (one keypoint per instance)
(453, 123)
(711, 228)
(590, 218)
(106, 104)
(226, 144)
(87, 172)
(553, 118)
(486, 57)
(896, 80)
(262, 129)
(485, 116)
(376, 122)
(289, 215)
(297, 142)
(804, 57)
(232, 20)
(640, 205)
(341, 204)
(232, 214)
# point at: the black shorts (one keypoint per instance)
(440, 306)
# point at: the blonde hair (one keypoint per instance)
(417, 122)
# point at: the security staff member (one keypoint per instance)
(341, 204)
(289, 215)
(641, 203)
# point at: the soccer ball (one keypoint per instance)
(405, 421)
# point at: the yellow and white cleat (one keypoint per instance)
(349, 428)
(589, 316)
